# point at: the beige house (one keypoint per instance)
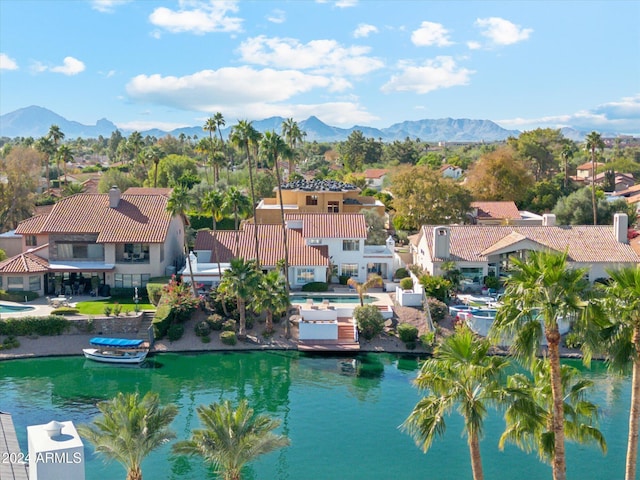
(122, 239)
(316, 196)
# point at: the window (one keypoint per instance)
(126, 280)
(312, 200)
(350, 269)
(80, 251)
(472, 274)
(34, 283)
(134, 252)
(350, 245)
(333, 206)
(31, 241)
(305, 275)
(14, 283)
(315, 241)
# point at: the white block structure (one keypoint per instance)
(55, 451)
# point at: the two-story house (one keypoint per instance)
(122, 239)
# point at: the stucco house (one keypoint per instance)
(481, 250)
(451, 171)
(316, 242)
(375, 177)
(122, 239)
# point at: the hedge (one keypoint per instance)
(154, 292)
(50, 325)
(315, 287)
(64, 311)
(162, 320)
(17, 296)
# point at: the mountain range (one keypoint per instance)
(34, 121)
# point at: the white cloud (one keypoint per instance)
(501, 31)
(277, 16)
(198, 17)
(70, 66)
(441, 72)
(319, 56)
(474, 45)
(341, 3)
(431, 33)
(7, 63)
(364, 29)
(107, 6)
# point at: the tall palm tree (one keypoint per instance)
(272, 296)
(64, 155)
(240, 280)
(292, 135)
(46, 146)
(594, 142)
(529, 415)
(461, 373)
(374, 280)
(272, 148)
(154, 154)
(542, 287)
(220, 122)
(178, 204)
(238, 203)
(245, 135)
(210, 126)
(231, 438)
(567, 154)
(213, 201)
(130, 428)
(136, 143)
(56, 135)
(622, 337)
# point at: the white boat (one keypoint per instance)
(116, 350)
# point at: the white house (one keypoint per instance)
(451, 171)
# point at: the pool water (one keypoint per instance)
(14, 308)
(340, 413)
(332, 300)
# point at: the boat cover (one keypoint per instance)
(115, 342)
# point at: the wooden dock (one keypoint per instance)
(10, 453)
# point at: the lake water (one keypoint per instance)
(341, 414)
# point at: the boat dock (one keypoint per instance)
(10, 453)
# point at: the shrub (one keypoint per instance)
(17, 296)
(416, 269)
(229, 325)
(9, 342)
(572, 340)
(107, 310)
(401, 273)
(215, 321)
(411, 345)
(407, 332)
(205, 339)
(50, 325)
(249, 320)
(437, 287)
(162, 320)
(370, 321)
(64, 311)
(154, 291)
(492, 282)
(428, 339)
(315, 287)
(228, 338)
(406, 283)
(117, 308)
(175, 332)
(437, 309)
(343, 279)
(203, 329)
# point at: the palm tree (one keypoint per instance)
(240, 280)
(623, 339)
(292, 134)
(542, 287)
(65, 155)
(529, 415)
(374, 280)
(154, 154)
(461, 373)
(56, 135)
(136, 143)
(244, 135)
(272, 296)
(232, 438)
(213, 201)
(218, 118)
(566, 154)
(237, 202)
(130, 429)
(46, 146)
(272, 148)
(72, 189)
(594, 142)
(178, 204)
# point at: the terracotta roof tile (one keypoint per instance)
(496, 210)
(31, 226)
(27, 262)
(375, 172)
(331, 225)
(148, 191)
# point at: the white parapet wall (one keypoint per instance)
(55, 451)
(318, 330)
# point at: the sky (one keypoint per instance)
(166, 64)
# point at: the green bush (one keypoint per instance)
(117, 309)
(408, 332)
(205, 339)
(437, 309)
(343, 279)
(229, 325)
(437, 287)
(107, 310)
(411, 345)
(154, 292)
(315, 287)
(401, 273)
(406, 283)
(492, 282)
(202, 329)
(428, 339)
(228, 338)
(9, 343)
(215, 321)
(162, 320)
(50, 325)
(17, 296)
(369, 320)
(572, 340)
(175, 332)
(64, 311)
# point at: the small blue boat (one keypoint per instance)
(116, 350)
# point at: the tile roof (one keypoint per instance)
(496, 210)
(331, 225)
(31, 226)
(137, 218)
(632, 189)
(270, 245)
(584, 243)
(27, 262)
(375, 172)
(148, 191)
(587, 166)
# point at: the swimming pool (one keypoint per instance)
(14, 308)
(331, 298)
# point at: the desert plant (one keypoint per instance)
(369, 320)
(117, 309)
(215, 321)
(107, 310)
(437, 309)
(407, 332)
(228, 338)
(202, 329)
(229, 325)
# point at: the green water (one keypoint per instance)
(340, 413)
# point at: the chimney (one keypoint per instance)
(114, 197)
(621, 227)
(441, 242)
(548, 220)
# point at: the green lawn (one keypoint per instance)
(96, 307)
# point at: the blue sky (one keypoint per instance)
(166, 64)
